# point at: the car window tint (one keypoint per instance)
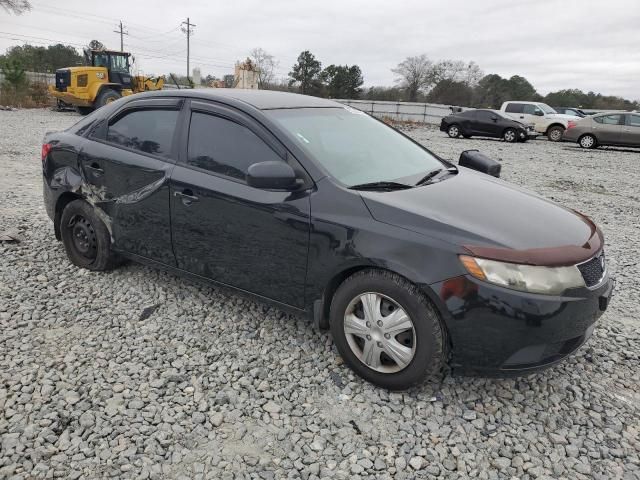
(609, 119)
(530, 109)
(149, 131)
(515, 108)
(222, 146)
(634, 120)
(468, 114)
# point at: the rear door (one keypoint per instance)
(515, 111)
(125, 165)
(225, 230)
(608, 128)
(631, 130)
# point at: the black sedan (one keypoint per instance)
(411, 261)
(486, 123)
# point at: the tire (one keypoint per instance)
(555, 133)
(417, 351)
(85, 237)
(588, 141)
(107, 95)
(84, 110)
(510, 135)
(453, 131)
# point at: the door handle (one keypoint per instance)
(95, 169)
(187, 196)
(521, 116)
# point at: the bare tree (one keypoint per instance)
(265, 64)
(415, 75)
(15, 6)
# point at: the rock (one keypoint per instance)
(271, 407)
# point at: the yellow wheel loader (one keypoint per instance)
(107, 79)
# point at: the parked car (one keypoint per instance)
(574, 112)
(410, 260)
(486, 123)
(621, 129)
(544, 119)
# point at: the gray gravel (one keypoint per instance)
(212, 385)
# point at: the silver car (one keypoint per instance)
(621, 129)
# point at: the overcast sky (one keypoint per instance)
(555, 44)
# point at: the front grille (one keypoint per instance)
(63, 79)
(593, 270)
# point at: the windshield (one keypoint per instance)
(353, 147)
(546, 108)
(119, 63)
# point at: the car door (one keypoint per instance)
(631, 130)
(223, 229)
(487, 124)
(608, 128)
(515, 111)
(126, 163)
(533, 115)
(467, 121)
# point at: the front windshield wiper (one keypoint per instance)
(434, 173)
(380, 186)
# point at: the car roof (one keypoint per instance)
(260, 99)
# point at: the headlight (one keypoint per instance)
(526, 278)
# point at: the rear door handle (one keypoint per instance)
(187, 196)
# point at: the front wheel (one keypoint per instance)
(555, 133)
(453, 131)
(386, 330)
(106, 96)
(510, 135)
(85, 237)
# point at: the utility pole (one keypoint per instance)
(189, 32)
(122, 34)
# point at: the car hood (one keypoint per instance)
(490, 218)
(562, 116)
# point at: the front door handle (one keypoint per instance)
(187, 196)
(521, 116)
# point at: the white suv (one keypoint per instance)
(544, 119)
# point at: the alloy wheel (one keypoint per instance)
(379, 332)
(587, 141)
(454, 131)
(510, 135)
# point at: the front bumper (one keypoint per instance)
(494, 330)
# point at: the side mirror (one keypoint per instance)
(475, 160)
(539, 113)
(272, 175)
(494, 118)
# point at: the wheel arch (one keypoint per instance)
(63, 201)
(556, 124)
(585, 134)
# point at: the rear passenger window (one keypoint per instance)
(609, 119)
(634, 120)
(225, 147)
(149, 131)
(515, 108)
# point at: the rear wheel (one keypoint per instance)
(386, 330)
(453, 131)
(106, 96)
(510, 135)
(555, 133)
(588, 141)
(85, 237)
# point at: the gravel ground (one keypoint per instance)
(140, 374)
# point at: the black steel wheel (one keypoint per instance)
(85, 237)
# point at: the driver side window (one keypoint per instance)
(532, 110)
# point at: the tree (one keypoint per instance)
(15, 6)
(266, 66)
(43, 59)
(451, 92)
(415, 75)
(521, 89)
(15, 77)
(306, 73)
(342, 81)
